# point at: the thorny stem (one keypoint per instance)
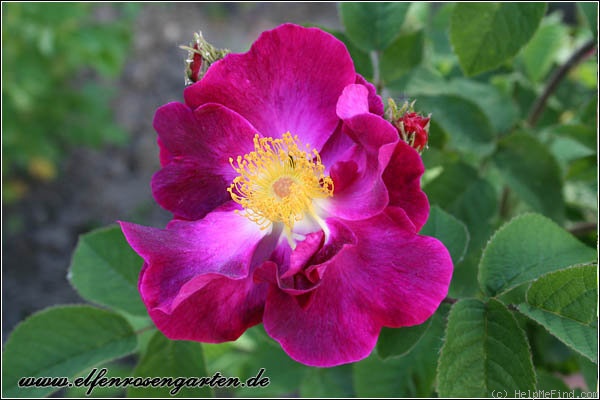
(538, 106)
(557, 77)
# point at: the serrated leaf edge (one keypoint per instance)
(548, 330)
(575, 266)
(493, 237)
(521, 332)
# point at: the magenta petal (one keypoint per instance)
(359, 98)
(375, 103)
(343, 174)
(288, 265)
(299, 271)
(221, 311)
(195, 150)
(402, 177)
(322, 330)
(327, 332)
(370, 131)
(336, 146)
(303, 252)
(391, 277)
(289, 80)
(211, 134)
(353, 101)
(423, 273)
(404, 276)
(164, 155)
(177, 255)
(184, 188)
(359, 190)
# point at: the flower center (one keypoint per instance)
(278, 182)
(283, 186)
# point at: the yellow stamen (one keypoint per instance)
(278, 181)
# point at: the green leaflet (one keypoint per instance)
(532, 172)
(61, 342)
(526, 248)
(485, 35)
(105, 270)
(171, 358)
(485, 352)
(564, 302)
(373, 26)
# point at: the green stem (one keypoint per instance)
(557, 77)
(504, 203)
(144, 329)
(538, 106)
(376, 75)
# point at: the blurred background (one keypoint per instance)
(80, 85)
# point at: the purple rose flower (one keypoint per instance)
(295, 204)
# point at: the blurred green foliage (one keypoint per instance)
(59, 62)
